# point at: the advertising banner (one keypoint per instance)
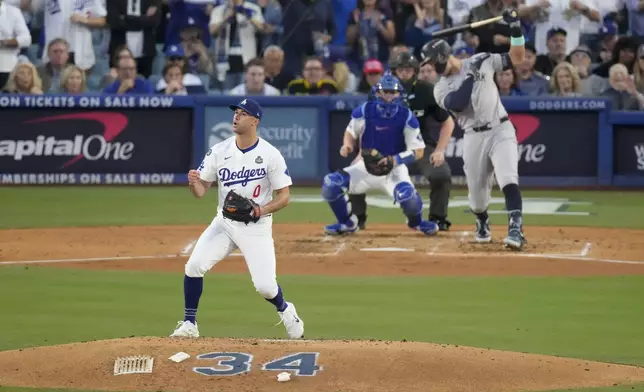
(550, 144)
(294, 131)
(95, 141)
(629, 150)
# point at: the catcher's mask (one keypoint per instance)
(388, 95)
(436, 52)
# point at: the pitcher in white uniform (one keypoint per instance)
(253, 168)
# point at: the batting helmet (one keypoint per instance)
(436, 52)
(403, 60)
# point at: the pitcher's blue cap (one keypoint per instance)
(250, 106)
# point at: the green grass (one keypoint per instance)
(591, 318)
(22, 207)
(596, 318)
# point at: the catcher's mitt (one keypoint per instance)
(239, 208)
(376, 163)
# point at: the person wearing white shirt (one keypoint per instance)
(564, 14)
(254, 83)
(14, 35)
(86, 16)
(590, 29)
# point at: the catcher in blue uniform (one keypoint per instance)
(390, 139)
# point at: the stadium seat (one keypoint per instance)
(205, 80)
(94, 82)
(154, 80)
(32, 53)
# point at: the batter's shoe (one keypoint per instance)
(185, 329)
(483, 234)
(515, 239)
(292, 322)
(349, 227)
(427, 227)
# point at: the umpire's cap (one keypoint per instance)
(403, 60)
(250, 106)
(436, 52)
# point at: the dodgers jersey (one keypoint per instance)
(390, 136)
(254, 172)
(485, 106)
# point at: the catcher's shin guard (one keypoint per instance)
(333, 192)
(410, 202)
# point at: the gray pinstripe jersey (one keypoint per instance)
(485, 105)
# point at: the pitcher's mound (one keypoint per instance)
(326, 366)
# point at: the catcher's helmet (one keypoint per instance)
(436, 52)
(391, 84)
(403, 60)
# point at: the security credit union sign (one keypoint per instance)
(294, 131)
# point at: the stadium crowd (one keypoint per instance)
(307, 47)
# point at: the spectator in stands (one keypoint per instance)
(342, 11)
(255, 81)
(309, 27)
(73, 80)
(313, 81)
(23, 80)
(195, 52)
(529, 81)
(370, 32)
(591, 84)
(495, 37)
(428, 17)
(589, 29)
(623, 53)
(119, 53)
(276, 75)
(464, 52)
(347, 81)
(273, 28)
(608, 36)
(556, 45)
(176, 82)
(134, 23)
(506, 82)
(128, 82)
(86, 17)
(50, 72)
(459, 10)
(395, 50)
(565, 81)
(635, 19)
(638, 70)
(562, 14)
(235, 24)
(622, 90)
(428, 73)
(188, 14)
(14, 35)
(372, 71)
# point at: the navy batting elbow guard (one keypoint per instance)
(458, 99)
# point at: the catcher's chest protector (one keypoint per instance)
(386, 135)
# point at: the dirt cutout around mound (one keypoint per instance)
(345, 366)
(303, 249)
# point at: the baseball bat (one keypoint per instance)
(468, 26)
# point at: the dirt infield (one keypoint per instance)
(341, 366)
(302, 249)
(345, 366)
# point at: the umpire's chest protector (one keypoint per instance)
(386, 135)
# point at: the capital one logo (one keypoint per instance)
(639, 153)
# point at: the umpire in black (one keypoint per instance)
(419, 96)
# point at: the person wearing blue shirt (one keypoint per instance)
(342, 10)
(128, 82)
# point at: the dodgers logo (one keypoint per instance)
(242, 176)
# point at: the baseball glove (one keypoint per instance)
(376, 163)
(240, 209)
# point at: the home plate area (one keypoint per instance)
(314, 366)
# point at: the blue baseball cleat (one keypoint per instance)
(427, 227)
(348, 227)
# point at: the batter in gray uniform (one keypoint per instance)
(467, 90)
